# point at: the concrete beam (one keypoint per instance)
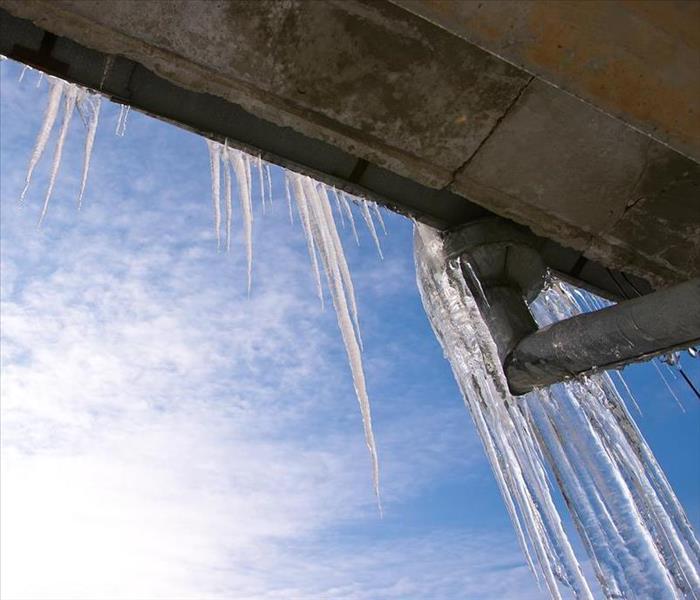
(368, 80)
(571, 172)
(638, 60)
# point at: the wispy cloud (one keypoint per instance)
(166, 437)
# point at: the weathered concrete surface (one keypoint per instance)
(638, 60)
(568, 170)
(363, 75)
(391, 88)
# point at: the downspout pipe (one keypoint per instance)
(502, 265)
(631, 331)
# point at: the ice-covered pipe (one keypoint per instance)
(630, 331)
(502, 265)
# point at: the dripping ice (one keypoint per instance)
(70, 97)
(634, 530)
(312, 201)
(631, 524)
(314, 210)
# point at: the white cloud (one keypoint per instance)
(164, 437)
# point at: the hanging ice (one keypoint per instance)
(89, 104)
(324, 236)
(339, 208)
(315, 214)
(215, 168)
(121, 121)
(289, 199)
(631, 524)
(370, 225)
(322, 192)
(55, 94)
(305, 219)
(240, 163)
(269, 184)
(69, 99)
(229, 198)
(378, 212)
(348, 213)
(261, 183)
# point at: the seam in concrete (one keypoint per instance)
(549, 81)
(634, 199)
(493, 129)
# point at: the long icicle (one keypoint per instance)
(215, 168)
(303, 208)
(370, 225)
(342, 263)
(348, 212)
(323, 225)
(261, 183)
(121, 123)
(68, 108)
(269, 185)
(55, 94)
(242, 171)
(289, 198)
(339, 208)
(95, 103)
(227, 192)
(378, 212)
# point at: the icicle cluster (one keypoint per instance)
(323, 243)
(239, 164)
(70, 96)
(312, 199)
(636, 534)
(322, 237)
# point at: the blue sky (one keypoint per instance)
(166, 437)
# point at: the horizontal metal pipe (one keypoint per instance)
(630, 331)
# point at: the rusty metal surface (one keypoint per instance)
(637, 60)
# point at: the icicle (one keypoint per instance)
(248, 162)
(241, 167)
(325, 234)
(303, 209)
(261, 183)
(269, 184)
(121, 121)
(370, 225)
(379, 216)
(348, 212)
(637, 536)
(55, 93)
(68, 107)
(475, 280)
(24, 71)
(339, 208)
(342, 263)
(630, 395)
(215, 167)
(40, 79)
(227, 191)
(668, 385)
(289, 198)
(94, 103)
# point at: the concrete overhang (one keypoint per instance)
(378, 100)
